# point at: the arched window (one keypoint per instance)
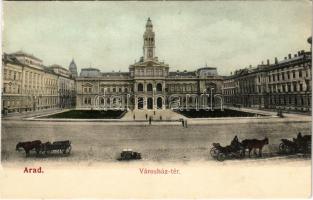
(159, 87)
(140, 87)
(149, 87)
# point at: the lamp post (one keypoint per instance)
(212, 99)
(153, 99)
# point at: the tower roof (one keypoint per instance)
(149, 22)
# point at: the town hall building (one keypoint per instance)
(149, 84)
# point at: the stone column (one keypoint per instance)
(145, 103)
(136, 103)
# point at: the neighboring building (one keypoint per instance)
(66, 86)
(28, 85)
(285, 84)
(148, 85)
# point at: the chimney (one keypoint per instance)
(262, 62)
(285, 58)
(289, 56)
(268, 62)
(276, 61)
(296, 55)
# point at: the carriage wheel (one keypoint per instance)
(69, 149)
(221, 156)
(213, 152)
(282, 148)
(242, 153)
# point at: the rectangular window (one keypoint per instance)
(300, 73)
(288, 75)
(293, 74)
(283, 76)
(301, 87)
(273, 77)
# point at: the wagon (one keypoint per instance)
(128, 154)
(297, 145)
(221, 153)
(64, 147)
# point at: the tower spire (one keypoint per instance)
(149, 41)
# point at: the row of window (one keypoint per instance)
(12, 75)
(107, 90)
(287, 75)
(149, 72)
(27, 102)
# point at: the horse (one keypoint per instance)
(254, 144)
(30, 145)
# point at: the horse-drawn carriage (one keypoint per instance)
(231, 151)
(45, 148)
(301, 144)
(237, 149)
(60, 146)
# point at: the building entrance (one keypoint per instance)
(159, 103)
(140, 103)
(150, 103)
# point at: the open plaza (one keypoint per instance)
(101, 140)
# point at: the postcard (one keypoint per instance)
(156, 99)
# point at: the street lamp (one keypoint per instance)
(212, 99)
(153, 93)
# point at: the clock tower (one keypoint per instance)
(148, 42)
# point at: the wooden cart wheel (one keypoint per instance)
(69, 149)
(221, 156)
(282, 148)
(213, 152)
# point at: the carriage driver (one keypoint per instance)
(234, 143)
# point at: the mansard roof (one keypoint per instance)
(21, 53)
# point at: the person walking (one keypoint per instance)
(134, 117)
(183, 122)
(146, 116)
(186, 126)
(150, 119)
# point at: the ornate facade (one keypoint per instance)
(285, 84)
(149, 84)
(28, 85)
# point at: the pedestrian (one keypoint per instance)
(146, 116)
(134, 117)
(160, 117)
(183, 122)
(186, 124)
(150, 119)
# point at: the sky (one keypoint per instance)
(228, 35)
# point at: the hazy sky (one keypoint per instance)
(108, 35)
